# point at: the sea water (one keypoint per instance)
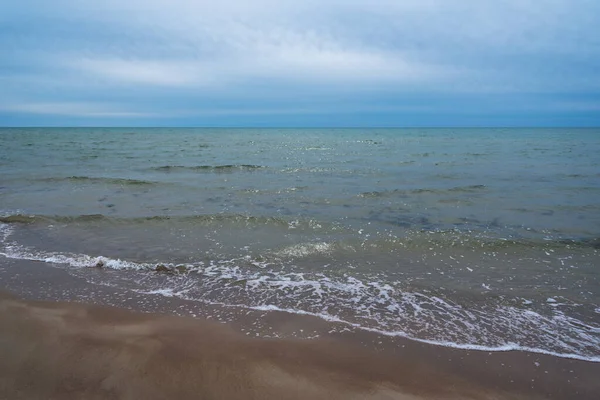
(474, 238)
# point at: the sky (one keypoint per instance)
(327, 63)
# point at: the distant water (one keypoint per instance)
(475, 238)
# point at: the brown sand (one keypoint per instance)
(67, 351)
(59, 350)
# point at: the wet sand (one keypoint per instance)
(60, 348)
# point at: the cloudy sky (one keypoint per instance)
(300, 62)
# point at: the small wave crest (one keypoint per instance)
(227, 168)
(200, 223)
(343, 239)
(305, 249)
(419, 191)
(32, 219)
(363, 301)
(101, 180)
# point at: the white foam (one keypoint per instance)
(305, 249)
(334, 319)
(5, 231)
(507, 347)
(411, 307)
(16, 251)
(73, 260)
(368, 304)
(163, 292)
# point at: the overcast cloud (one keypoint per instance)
(300, 63)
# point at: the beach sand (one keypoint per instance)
(52, 346)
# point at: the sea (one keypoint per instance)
(484, 239)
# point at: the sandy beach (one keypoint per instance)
(284, 200)
(66, 350)
(62, 350)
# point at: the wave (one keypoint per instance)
(346, 238)
(239, 220)
(228, 168)
(424, 242)
(32, 219)
(94, 179)
(364, 302)
(307, 249)
(474, 347)
(407, 192)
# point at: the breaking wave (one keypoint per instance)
(360, 300)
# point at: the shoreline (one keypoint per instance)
(65, 350)
(83, 264)
(101, 265)
(509, 374)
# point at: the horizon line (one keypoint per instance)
(292, 127)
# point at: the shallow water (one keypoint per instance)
(480, 238)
